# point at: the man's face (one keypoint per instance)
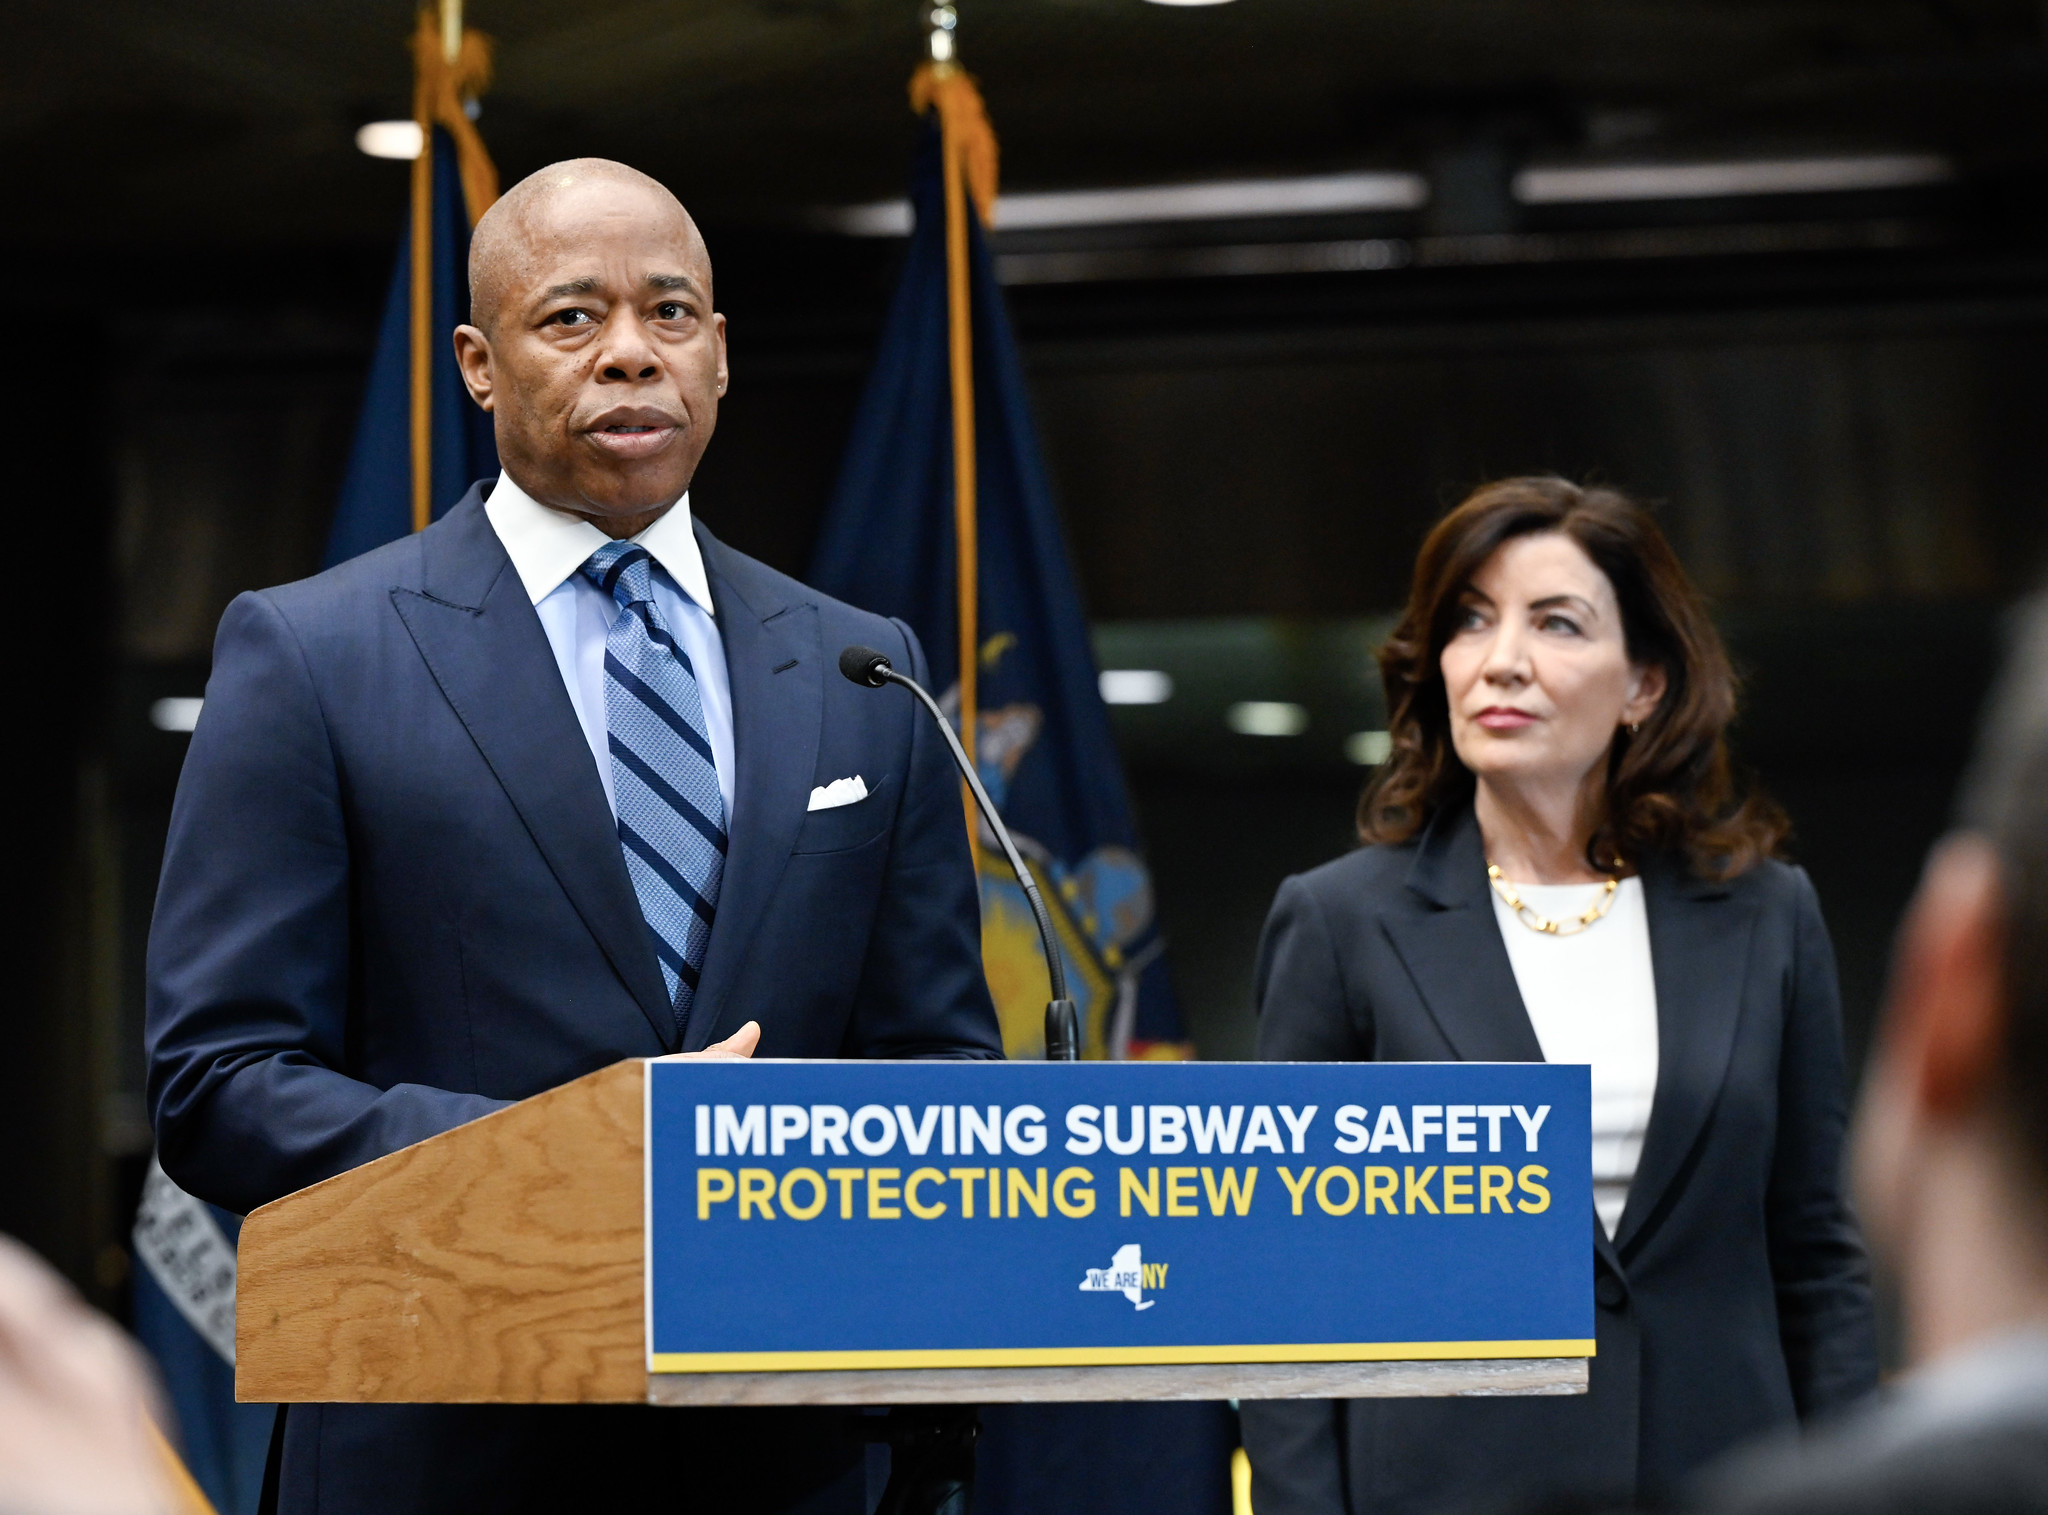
(604, 360)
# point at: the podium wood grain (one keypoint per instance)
(499, 1262)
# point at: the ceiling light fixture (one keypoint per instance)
(1135, 686)
(1267, 718)
(1218, 200)
(1713, 181)
(1369, 749)
(1190, 2)
(390, 139)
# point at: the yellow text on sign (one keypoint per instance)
(1009, 1193)
(890, 1193)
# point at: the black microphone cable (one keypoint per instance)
(871, 669)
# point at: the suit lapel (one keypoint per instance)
(1604, 1248)
(1450, 944)
(775, 669)
(478, 633)
(1699, 954)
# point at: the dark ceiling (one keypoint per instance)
(211, 122)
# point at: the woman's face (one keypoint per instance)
(1537, 671)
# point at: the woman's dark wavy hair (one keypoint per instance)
(1669, 786)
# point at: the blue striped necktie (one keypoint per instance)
(671, 815)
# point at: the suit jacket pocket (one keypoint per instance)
(847, 826)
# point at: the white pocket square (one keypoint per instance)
(839, 792)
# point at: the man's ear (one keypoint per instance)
(473, 362)
(1945, 1020)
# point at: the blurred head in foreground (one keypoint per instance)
(1952, 1139)
(1951, 1163)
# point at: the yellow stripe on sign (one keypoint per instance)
(1105, 1357)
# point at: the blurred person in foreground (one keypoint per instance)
(75, 1404)
(1951, 1165)
(1559, 867)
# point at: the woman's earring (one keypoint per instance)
(1634, 727)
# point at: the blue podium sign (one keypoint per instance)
(819, 1215)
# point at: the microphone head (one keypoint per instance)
(864, 665)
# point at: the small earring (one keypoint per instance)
(1634, 727)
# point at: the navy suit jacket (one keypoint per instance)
(1734, 1298)
(393, 897)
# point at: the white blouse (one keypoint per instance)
(1593, 999)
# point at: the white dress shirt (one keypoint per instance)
(548, 547)
(1592, 998)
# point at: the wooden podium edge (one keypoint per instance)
(1300, 1380)
(498, 1263)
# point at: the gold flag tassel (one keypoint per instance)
(968, 166)
(451, 66)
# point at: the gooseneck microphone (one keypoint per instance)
(865, 666)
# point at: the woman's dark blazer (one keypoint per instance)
(1735, 1295)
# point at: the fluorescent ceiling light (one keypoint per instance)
(1705, 181)
(175, 714)
(1190, 2)
(1219, 200)
(1201, 262)
(1368, 749)
(1135, 686)
(1266, 718)
(881, 218)
(390, 139)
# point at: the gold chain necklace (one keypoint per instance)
(1596, 913)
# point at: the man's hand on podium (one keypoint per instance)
(740, 1044)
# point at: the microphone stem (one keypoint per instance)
(1054, 968)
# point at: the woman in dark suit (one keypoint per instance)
(1558, 865)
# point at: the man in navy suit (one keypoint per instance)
(559, 780)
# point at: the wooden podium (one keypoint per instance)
(503, 1263)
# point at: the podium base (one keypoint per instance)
(931, 1462)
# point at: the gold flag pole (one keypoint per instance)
(967, 150)
(187, 1498)
(451, 66)
(428, 40)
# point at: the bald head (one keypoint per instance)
(593, 342)
(570, 200)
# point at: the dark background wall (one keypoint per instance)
(1842, 450)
